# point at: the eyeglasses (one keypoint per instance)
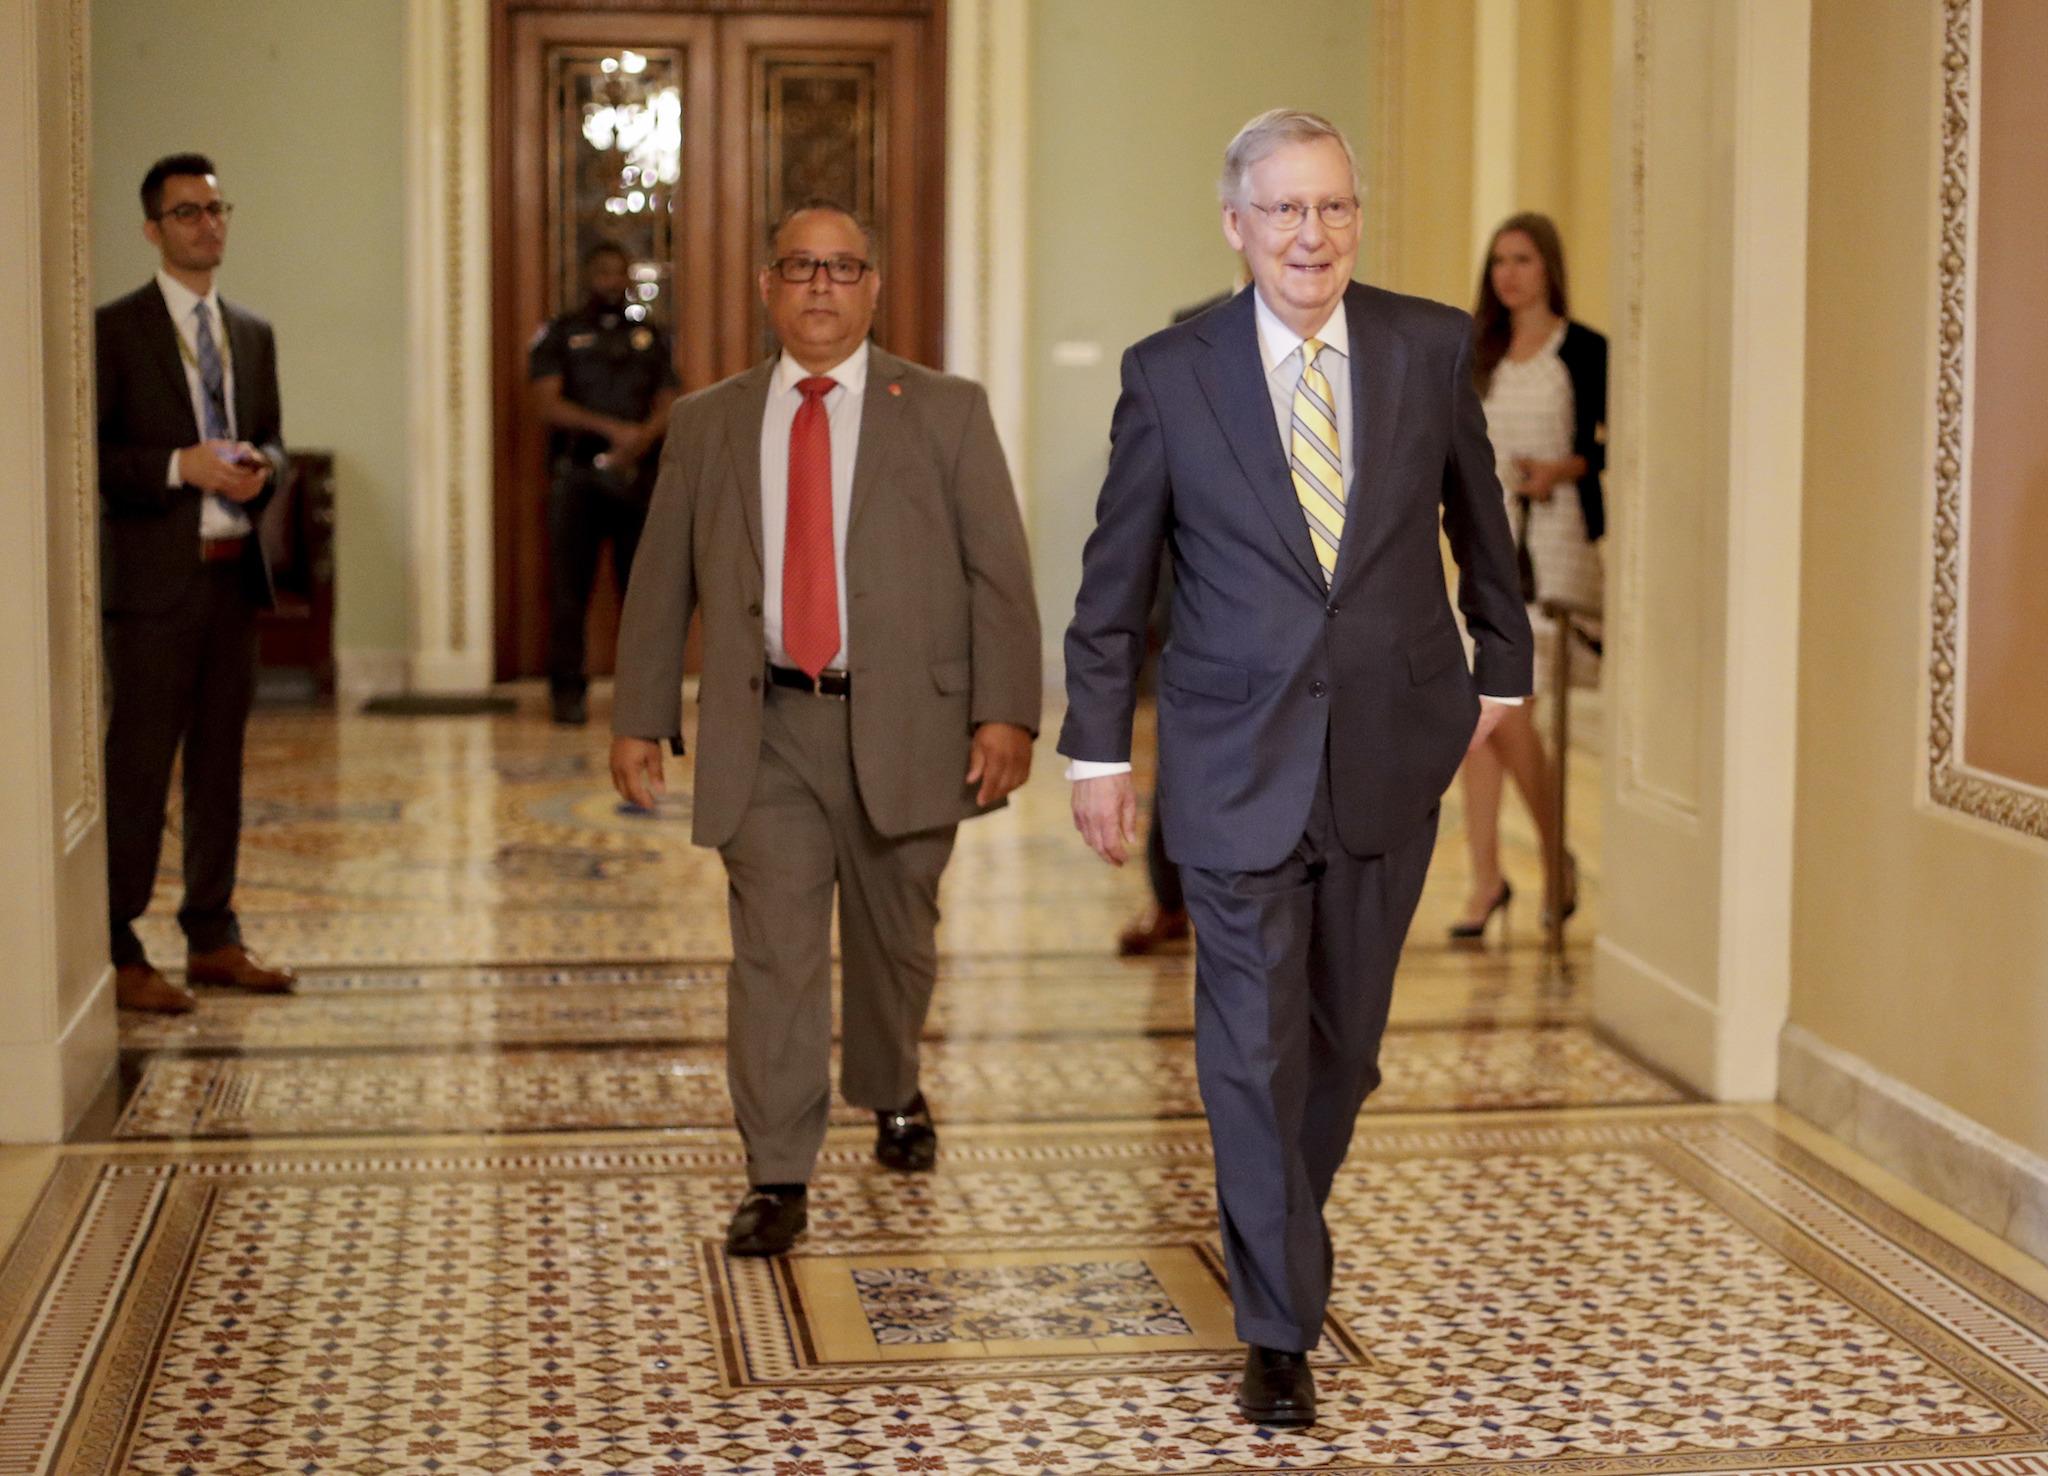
(216, 211)
(845, 270)
(1289, 215)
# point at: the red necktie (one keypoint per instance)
(810, 584)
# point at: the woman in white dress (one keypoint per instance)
(1543, 379)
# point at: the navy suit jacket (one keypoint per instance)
(149, 532)
(1266, 670)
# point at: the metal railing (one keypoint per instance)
(1568, 623)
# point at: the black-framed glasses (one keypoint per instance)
(1290, 215)
(216, 211)
(845, 270)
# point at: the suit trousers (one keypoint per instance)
(582, 515)
(806, 835)
(188, 677)
(1294, 975)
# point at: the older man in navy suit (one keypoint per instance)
(1296, 450)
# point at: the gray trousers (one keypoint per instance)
(1294, 974)
(805, 834)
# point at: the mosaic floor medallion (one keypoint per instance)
(1666, 1291)
(1091, 1308)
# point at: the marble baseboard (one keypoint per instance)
(1945, 1155)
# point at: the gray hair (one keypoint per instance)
(1265, 135)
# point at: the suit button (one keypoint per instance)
(1330, 611)
(755, 611)
(1317, 689)
(753, 684)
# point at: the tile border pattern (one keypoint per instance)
(117, 1233)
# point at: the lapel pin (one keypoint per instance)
(895, 388)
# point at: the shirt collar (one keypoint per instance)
(181, 299)
(1277, 340)
(851, 372)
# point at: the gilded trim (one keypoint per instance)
(454, 119)
(1950, 782)
(85, 812)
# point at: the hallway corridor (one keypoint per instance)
(458, 1205)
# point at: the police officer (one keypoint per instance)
(603, 381)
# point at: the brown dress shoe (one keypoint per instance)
(1154, 929)
(140, 987)
(231, 963)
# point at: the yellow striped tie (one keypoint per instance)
(1315, 461)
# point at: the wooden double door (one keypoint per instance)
(682, 131)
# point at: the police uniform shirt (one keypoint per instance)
(608, 364)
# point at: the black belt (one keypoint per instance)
(830, 683)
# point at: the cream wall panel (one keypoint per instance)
(1705, 450)
(1920, 936)
(56, 1011)
(1420, 149)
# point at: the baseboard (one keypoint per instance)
(363, 672)
(1945, 1155)
(1654, 1015)
(50, 1084)
(450, 674)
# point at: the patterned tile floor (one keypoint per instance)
(285, 1260)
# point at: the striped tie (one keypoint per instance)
(1317, 466)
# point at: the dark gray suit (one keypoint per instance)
(180, 633)
(1306, 735)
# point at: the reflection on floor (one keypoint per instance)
(1634, 1283)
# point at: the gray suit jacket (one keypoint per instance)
(943, 621)
(1266, 670)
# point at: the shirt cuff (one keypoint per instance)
(1092, 769)
(1504, 701)
(171, 477)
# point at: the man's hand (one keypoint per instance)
(1491, 714)
(1106, 814)
(1001, 762)
(215, 466)
(636, 771)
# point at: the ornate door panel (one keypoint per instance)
(832, 106)
(680, 129)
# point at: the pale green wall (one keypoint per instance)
(1132, 102)
(299, 103)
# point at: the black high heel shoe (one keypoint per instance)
(1466, 931)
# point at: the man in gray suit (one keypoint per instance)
(844, 521)
(1296, 449)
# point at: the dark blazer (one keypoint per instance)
(1584, 355)
(1266, 670)
(149, 533)
(943, 619)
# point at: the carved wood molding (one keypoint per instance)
(736, 7)
(80, 816)
(1950, 782)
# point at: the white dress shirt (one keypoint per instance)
(218, 517)
(842, 417)
(1280, 351)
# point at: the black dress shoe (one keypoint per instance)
(768, 1220)
(906, 1141)
(570, 709)
(1277, 1389)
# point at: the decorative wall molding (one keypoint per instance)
(987, 128)
(448, 276)
(1952, 783)
(1628, 419)
(83, 813)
